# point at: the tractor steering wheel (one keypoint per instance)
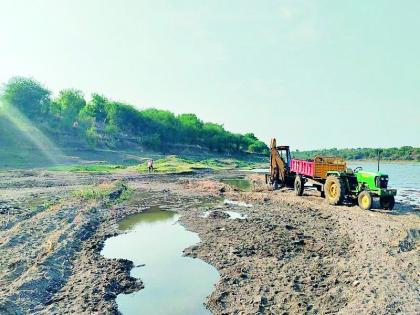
(359, 168)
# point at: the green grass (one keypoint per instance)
(228, 164)
(91, 193)
(238, 183)
(175, 164)
(93, 168)
(103, 191)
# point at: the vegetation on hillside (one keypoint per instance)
(403, 153)
(72, 121)
(101, 122)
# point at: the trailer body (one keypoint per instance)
(317, 168)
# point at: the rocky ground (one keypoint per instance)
(290, 255)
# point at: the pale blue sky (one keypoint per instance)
(311, 73)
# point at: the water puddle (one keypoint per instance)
(173, 284)
(260, 170)
(232, 214)
(236, 215)
(237, 203)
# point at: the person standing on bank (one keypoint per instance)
(150, 165)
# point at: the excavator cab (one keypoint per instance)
(279, 175)
(284, 153)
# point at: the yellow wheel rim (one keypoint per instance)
(333, 190)
(365, 201)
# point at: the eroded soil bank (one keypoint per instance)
(289, 255)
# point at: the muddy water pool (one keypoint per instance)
(173, 284)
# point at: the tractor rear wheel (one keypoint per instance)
(365, 200)
(387, 203)
(335, 190)
(299, 185)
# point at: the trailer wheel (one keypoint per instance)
(387, 203)
(299, 185)
(365, 200)
(335, 190)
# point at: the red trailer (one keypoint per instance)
(302, 167)
(318, 167)
(295, 173)
(314, 171)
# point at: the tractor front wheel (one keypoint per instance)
(335, 190)
(387, 203)
(299, 185)
(365, 200)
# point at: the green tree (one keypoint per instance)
(103, 122)
(70, 102)
(29, 96)
(164, 123)
(96, 109)
(125, 118)
(190, 127)
(258, 147)
(213, 135)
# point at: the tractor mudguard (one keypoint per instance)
(335, 173)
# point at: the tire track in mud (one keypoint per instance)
(282, 261)
(37, 253)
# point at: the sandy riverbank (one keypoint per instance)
(290, 255)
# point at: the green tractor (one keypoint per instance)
(331, 177)
(359, 185)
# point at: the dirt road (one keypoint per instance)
(290, 255)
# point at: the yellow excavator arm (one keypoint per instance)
(277, 164)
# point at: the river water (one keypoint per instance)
(174, 284)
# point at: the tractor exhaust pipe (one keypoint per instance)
(379, 157)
